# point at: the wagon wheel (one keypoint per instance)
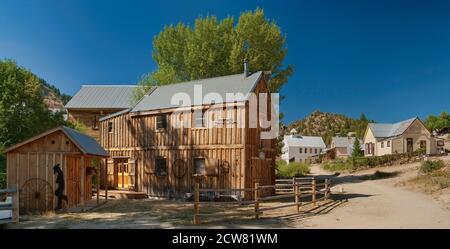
(179, 168)
(37, 195)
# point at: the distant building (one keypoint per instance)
(298, 148)
(342, 147)
(402, 137)
(93, 102)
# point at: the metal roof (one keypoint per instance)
(304, 141)
(102, 96)
(161, 96)
(390, 130)
(86, 144)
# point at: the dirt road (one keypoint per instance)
(381, 204)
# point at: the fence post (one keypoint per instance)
(15, 203)
(196, 202)
(256, 201)
(326, 189)
(297, 196)
(293, 184)
(314, 192)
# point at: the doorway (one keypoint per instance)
(122, 173)
(409, 145)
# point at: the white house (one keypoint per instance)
(298, 148)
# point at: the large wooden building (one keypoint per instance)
(158, 146)
(30, 167)
(93, 102)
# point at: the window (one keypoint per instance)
(199, 121)
(161, 122)
(300, 150)
(95, 123)
(161, 166)
(382, 144)
(110, 127)
(315, 151)
(199, 166)
(388, 144)
(310, 150)
(320, 151)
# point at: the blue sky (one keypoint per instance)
(387, 59)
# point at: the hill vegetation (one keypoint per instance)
(327, 125)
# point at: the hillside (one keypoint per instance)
(328, 125)
(53, 97)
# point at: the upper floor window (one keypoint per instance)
(300, 150)
(388, 143)
(161, 121)
(315, 151)
(310, 150)
(95, 122)
(199, 118)
(382, 144)
(110, 127)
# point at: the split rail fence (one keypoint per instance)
(296, 188)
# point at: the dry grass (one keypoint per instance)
(434, 181)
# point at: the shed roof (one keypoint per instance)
(102, 96)
(86, 144)
(161, 96)
(390, 130)
(304, 141)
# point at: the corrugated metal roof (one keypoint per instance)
(102, 96)
(390, 130)
(304, 141)
(160, 98)
(85, 143)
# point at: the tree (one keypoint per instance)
(218, 47)
(438, 122)
(357, 149)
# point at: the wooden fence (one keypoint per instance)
(12, 206)
(296, 188)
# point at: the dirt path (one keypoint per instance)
(381, 203)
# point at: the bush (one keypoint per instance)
(339, 165)
(291, 170)
(2, 172)
(430, 166)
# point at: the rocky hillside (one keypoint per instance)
(328, 125)
(53, 97)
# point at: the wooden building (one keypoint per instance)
(93, 102)
(157, 147)
(30, 167)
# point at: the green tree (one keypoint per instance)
(438, 122)
(357, 149)
(218, 47)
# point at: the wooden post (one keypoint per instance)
(326, 189)
(293, 184)
(98, 184)
(314, 192)
(297, 196)
(106, 178)
(196, 202)
(15, 202)
(82, 179)
(256, 201)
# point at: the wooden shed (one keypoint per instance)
(30, 167)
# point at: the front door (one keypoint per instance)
(123, 173)
(409, 145)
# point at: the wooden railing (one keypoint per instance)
(297, 189)
(12, 206)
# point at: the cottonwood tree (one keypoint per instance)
(215, 47)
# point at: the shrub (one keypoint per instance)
(292, 170)
(339, 165)
(430, 166)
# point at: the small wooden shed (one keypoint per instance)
(30, 167)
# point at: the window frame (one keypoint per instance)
(158, 171)
(195, 172)
(160, 121)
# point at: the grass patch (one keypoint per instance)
(434, 181)
(379, 175)
(430, 166)
(339, 166)
(292, 169)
